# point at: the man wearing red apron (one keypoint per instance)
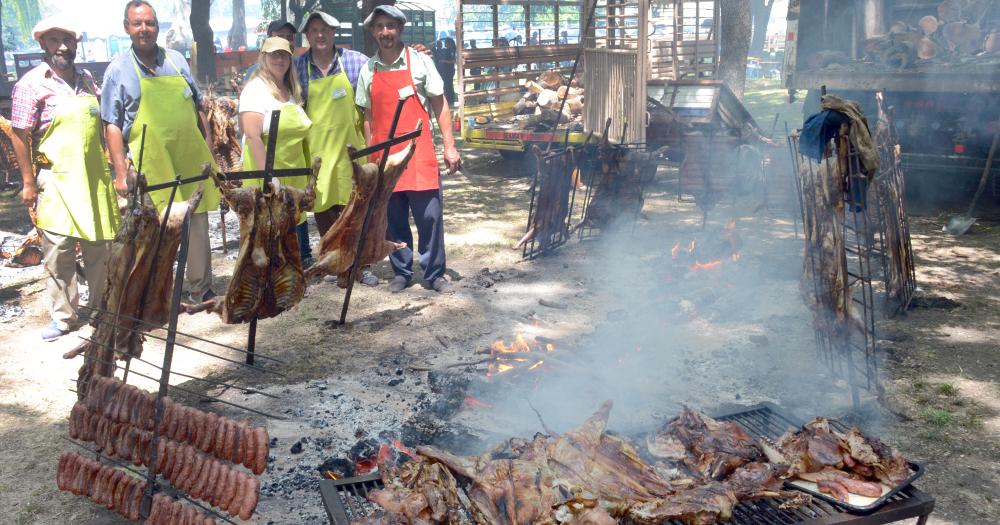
(397, 73)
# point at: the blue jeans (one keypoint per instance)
(302, 231)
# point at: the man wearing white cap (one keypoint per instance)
(397, 73)
(67, 184)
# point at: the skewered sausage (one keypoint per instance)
(249, 501)
(262, 443)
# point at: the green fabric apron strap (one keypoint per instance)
(336, 123)
(290, 151)
(174, 144)
(77, 197)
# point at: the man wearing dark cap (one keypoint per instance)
(398, 73)
(282, 28)
(329, 77)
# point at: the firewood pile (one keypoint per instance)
(197, 452)
(543, 98)
(958, 32)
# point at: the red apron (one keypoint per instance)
(422, 172)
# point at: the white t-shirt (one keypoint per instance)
(257, 98)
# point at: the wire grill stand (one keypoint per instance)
(845, 324)
(541, 244)
(154, 482)
(591, 168)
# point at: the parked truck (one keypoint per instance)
(937, 64)
(631, 50)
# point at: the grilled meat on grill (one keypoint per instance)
(711, 449)
(339, 245)
(818, 452)
(226, 147)
(140, 279)
(268, 278)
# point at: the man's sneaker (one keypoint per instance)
(441, 285)
(330, 279)
(398, 284)
(207, 296)
(52, 332)
(369, 279)
(307, 261)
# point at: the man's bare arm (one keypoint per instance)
(116, 150)
(452, 160)
(29, 190)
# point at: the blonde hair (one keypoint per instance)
(291, 78)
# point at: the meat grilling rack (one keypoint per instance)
(553, 197)
(347, 499)
(157, 482)
(592, 169)
(840, 244)
(898, 270)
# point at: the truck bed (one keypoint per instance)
(978, 75)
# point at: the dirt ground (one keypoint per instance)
(733, 338)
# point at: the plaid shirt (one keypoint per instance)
(32, 107)
(353, 62)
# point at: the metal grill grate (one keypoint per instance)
(346, 499)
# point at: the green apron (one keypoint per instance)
(174, 144)
(290, 151)
(336, 123)
(78, 195)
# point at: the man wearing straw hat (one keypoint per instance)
(67, 185)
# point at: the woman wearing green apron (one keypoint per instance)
(275, 87)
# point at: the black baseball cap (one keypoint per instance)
(277, 25)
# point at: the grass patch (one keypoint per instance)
(932, 436)
(947, 389)
(938, 417)
(974, 422)
(919, 385)
(922, 399)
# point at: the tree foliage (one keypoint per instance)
(26, 14)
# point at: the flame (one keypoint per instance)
(549, 347)
(736, 256)
(501, 368)
(402, 448)
(519, 345)
(675, 249)
(536, 365)
(472, 402)
(329, 474)
(691, 246)
(711, 265)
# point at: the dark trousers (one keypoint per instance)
(448, 75)
(428, 215)
(302, 231)
(326, 218)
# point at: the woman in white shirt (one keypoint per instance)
(274, 86)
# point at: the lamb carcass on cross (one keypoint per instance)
(340, 243)
(140, 279)
(268, 278)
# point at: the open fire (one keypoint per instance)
(710, 254)
(519, 355)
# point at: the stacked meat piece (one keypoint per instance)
(618, 192)
(268, 278)
(839, 463)
(340, 243)
(105, 485)
(191, 447)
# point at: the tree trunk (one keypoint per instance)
(298, 9)
(238, 31)
(760, 10)
(367, 6)
(735, 29)
(203, 39)
(3, 60)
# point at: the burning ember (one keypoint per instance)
(369, 454)
(519, 355)
(471, 402)
(711, 254)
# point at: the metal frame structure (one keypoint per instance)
(154, 482)
(844, 319)
(536, 245)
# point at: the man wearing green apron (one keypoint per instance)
(328, 77)
(153, 86)
(68, 187)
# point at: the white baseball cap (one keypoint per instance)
(57, 22)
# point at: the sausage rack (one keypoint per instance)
(157, 483)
